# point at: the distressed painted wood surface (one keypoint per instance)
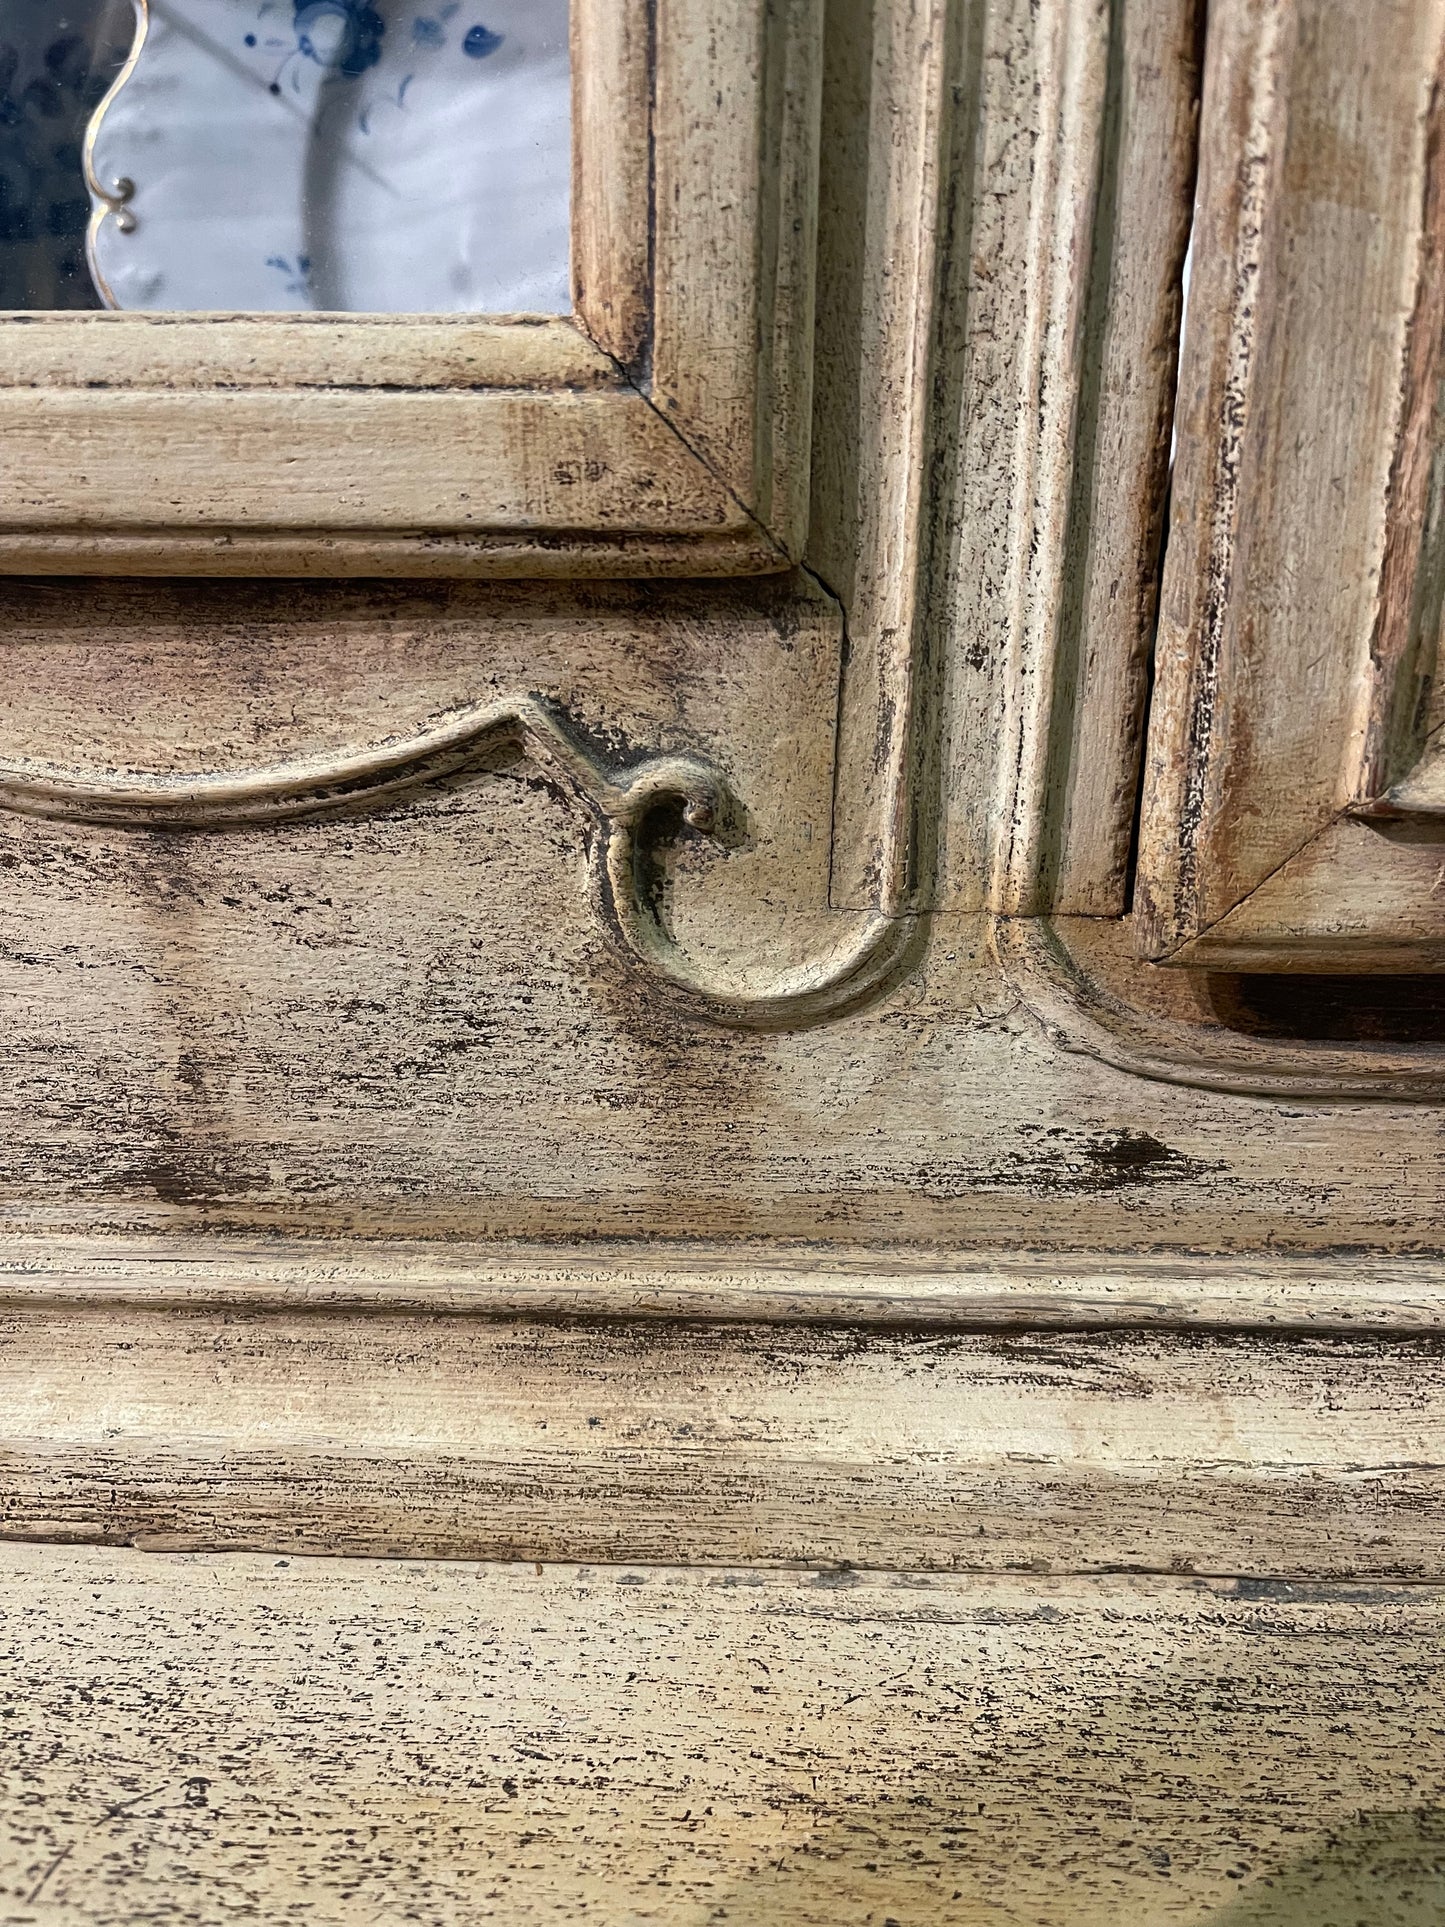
(408, 1022)
(503, 462)
(1079, 678)
(785, 1283)
(1042, 1451)
(360, 1194)
(1302, 581)
(1073, 125)
(735, 153)
(405, 1029)
(1362, 896)
(890, 149)
(611, 184)
(1328, 1042)
(218, 1740)
(177, 351)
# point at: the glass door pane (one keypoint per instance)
(263, 155)
(56, 64)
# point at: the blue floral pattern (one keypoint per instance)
(390, 129)
(344, 35)
(345, 38)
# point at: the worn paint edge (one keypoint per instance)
(1080, 1014)
(1334, 1291)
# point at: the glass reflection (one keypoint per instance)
(56, 64)
(341, 155)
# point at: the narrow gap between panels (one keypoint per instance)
(1166, 518)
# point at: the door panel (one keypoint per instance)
(1302, 584)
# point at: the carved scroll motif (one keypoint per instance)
(634, 810)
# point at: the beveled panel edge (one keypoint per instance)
(1081, 1014)
(104, 349)
(743, 1281)
(737, 104)
(523, 463)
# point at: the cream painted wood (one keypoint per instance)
(442, 991)
(404, 1071)
(791, 1285)
(890, 88)
(218, 446)
(1054, 396)
(531, 1069)
(1082, 981)
(1302, 584)
(308, 351)
(1006, 197)
(1362, 896)
(222, 1740)
(612, 131)
(302, 1431)
(1291, 815)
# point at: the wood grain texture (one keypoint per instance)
(1398, 689)
(217, 1740)
(1295, 559)
(450, 657)
(1064, 251)
(408, 1022)
(349, 554)
(402, 1030)
(516, 463)
(734, 247)
(1360, 897)
(1042, 127)
(463, 1437)
(612, 137)
(1069, 847)
(752, 1281)
(888, 88)
(104, 350)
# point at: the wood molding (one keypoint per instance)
(1055, 966)
(739, 1281)
(667, 434)
(634, 803)
(302, 1431)
(1058, 385)
(612, 185)
(1304, 572)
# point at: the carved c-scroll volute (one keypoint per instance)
(224, 728)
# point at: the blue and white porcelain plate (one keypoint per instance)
(358, 156)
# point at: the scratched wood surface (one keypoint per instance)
(1053, 392)
(658, 1440)
(360, 1194)
(1302, 582)
(208, 1741)
(408, 1022)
